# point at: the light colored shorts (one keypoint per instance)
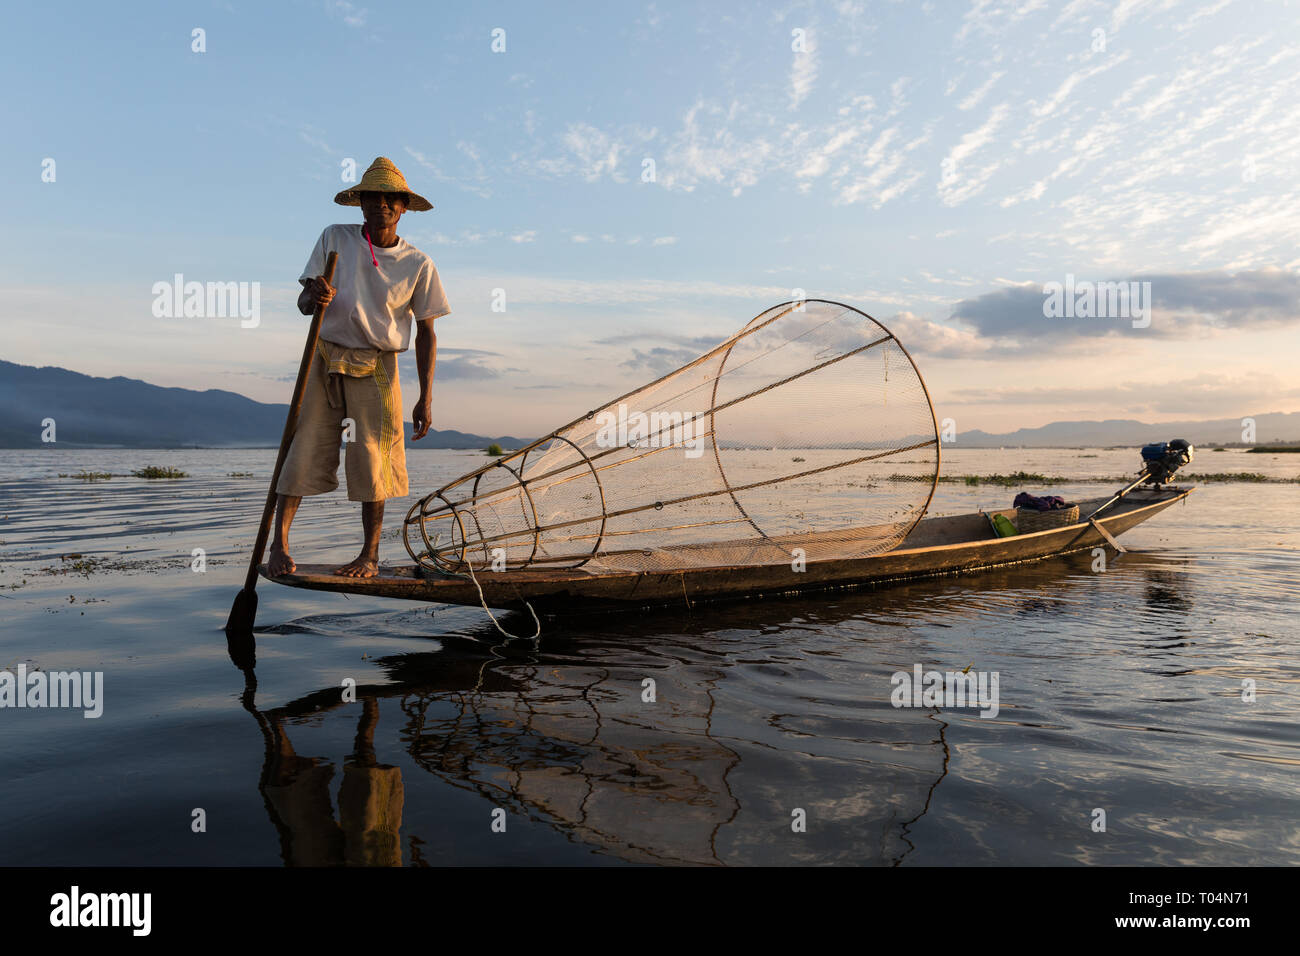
(356, 384)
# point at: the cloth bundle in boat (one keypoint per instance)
(806, 436)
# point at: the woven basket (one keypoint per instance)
(1029, 520)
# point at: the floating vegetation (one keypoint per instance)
(1272, 450)
(1220, 449)
(1027, 478)
(87, 565)
(1015, 478)
(495, 450)
(150, 471)
(1238, 476)
(76, 564)
(239, 474)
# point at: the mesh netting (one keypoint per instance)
(809, 429)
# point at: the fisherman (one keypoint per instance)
(382, 284)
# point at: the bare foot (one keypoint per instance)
(362, 567)
(280, 563)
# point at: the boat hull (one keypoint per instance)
(937, 546)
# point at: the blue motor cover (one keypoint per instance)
(1154, 451)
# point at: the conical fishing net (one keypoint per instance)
(807, 435)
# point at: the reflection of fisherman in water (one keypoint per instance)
(297, 792)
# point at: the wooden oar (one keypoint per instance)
(1143, 475)
(244, 610)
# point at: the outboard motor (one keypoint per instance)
(1161, 459)
(1159, 462)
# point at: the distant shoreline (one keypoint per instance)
(1272, 448)
(73, 446)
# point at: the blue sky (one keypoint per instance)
(931, 163)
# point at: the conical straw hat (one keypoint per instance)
(383, 177)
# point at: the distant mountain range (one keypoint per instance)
(1269, 428)
(92, 412)
(121, 412)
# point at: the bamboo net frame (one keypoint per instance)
(807, 435)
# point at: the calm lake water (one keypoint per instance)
(1120, 691)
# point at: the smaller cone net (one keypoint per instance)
(808, 435)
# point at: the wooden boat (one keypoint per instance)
(660, 496)
(935, 546)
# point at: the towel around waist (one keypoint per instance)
(340, 360)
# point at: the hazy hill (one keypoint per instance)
(125, 412)
(1270, 427)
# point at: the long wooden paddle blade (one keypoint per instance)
(243, 611)
(239, 630)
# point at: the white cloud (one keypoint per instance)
(933, 340)
(473, 181)
(991, 16)
(557, 290)
(972, 99)
(466, 237)
(954, 187)
(351, 15)
(312, 137)
(1032, 191)
(1124, 10)
(708, 150)
(595, 152)
(817, 161)
(1204, 13)
(882, 176)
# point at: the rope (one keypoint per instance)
(486, 610)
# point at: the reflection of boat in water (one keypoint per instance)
(577, 747)
(606, 778)
(708, 773)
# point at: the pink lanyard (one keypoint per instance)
(366, 232)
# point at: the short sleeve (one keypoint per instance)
(428, 300)
(316, 264)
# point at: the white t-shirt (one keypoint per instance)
(373, 307)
